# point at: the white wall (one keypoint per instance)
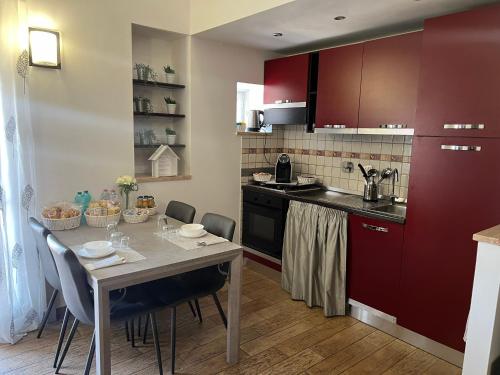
(82, 114)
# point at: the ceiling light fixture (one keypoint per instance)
(340, 18)
(277, 35)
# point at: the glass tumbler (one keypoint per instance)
(115, 239)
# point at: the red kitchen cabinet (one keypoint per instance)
(459, 78)
(453, 193)
(374, 262)
(389, 85)
(286, 78)
(339, 80)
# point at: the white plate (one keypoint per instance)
(189, 235)
(96, 249)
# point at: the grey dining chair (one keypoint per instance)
(40, 234)
(77, 293)
(195, 284)
(180, 211)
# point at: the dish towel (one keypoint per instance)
(128, 255)
(106, 262)
(196, 243)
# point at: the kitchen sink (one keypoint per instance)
(392, 209)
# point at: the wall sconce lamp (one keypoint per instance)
(44, 48)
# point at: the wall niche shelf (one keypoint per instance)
(158, 114)
(148, 178)
(158, 145)
(165, 85)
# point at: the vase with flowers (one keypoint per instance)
(126, 184)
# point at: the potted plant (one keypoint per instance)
(145, 72)
(143, 105)
(169, 74)
(171, 105)
(171, 136)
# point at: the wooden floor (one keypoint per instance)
(279, 336)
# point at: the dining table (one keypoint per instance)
(162, 259)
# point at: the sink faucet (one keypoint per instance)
(395, 177)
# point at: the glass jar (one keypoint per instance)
(145, 201)
(152, 201)
(138, 203)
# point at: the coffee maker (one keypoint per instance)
(283, 171)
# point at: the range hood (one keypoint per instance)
(289, 113)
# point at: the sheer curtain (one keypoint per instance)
(22, 286)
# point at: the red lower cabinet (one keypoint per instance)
(374, 262)
(454, 186)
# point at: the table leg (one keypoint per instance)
(102, 331)
(233, 315)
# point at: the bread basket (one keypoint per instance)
(136, 216)
(306, 180)
(151, 210)
(102, 221)
(62, 224)
(262, 177)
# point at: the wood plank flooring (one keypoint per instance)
(279, 336)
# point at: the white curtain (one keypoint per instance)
(22, 286)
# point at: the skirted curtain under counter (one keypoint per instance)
(314, 256)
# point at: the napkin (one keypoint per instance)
(108, 262)
(196, 243)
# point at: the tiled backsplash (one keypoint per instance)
(322, 155)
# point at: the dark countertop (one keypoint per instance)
(346, 202)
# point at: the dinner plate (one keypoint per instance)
(189, 235)
(96, 249)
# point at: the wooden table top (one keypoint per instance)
(162, 256)
(491, 235)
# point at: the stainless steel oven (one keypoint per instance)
(264, 217)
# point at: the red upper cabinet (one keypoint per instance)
(339, 80)
(452, 195)
(460, 77)
(286, 78)
(390, 81)
(374, 262)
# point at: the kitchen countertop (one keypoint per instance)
(346, 202)
(491, 235)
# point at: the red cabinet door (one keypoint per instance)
(374, 262)
(452, 195)
(286, 78)
(389, 85)
(460, 78)
(339, 80)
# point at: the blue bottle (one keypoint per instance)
(86, 198)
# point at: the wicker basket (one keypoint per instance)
(152, 211)
(306, 180)
(62, 224)
(102, 221)
(262, 177)
(134, 218)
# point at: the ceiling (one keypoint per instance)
(309, 24)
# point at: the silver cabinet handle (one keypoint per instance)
(335, 126)
(392, 126)
(460, 148)
(464, 126)
(375, 228)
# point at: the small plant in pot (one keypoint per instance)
(145, 72)
(171, 105)
(171, 136)
(169, 74)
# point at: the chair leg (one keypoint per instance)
(132, 332)
(139, 323)
(198, 311)
(90, 356)
(47, 313)
(146, 326)
(68, 343)
(62, 333)
(127, 333)
(172, 338)
(219, 307)
(192, 308)
(156, 339)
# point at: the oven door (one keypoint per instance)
(263, 228)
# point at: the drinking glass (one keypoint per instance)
(115, 239)
(124, 242)
(167, 231)
(111, 228)
(161, 221)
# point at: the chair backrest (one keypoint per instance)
(73, 277)
(180, 211)
(219, 225)
(49, 266)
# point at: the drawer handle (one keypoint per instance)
(392, 126)
(335, 126)
(464, 126)
(460, 148)
(375, 228)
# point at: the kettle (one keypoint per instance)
(370, 193)
(255, 120)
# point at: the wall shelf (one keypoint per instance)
(158, 145)
(165, 85)
(149, 178)
(158, 114)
